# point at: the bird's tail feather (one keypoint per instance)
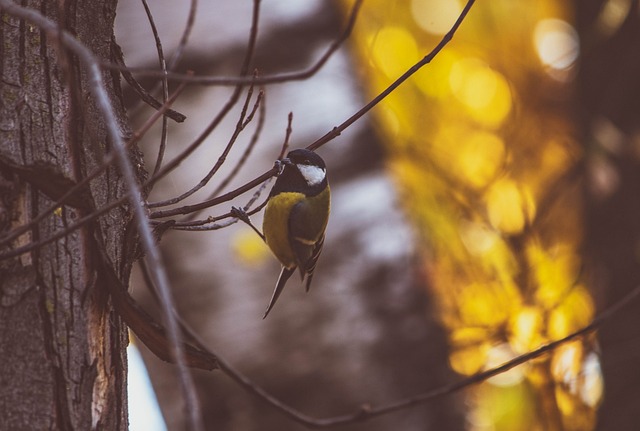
(282, 280)
(307, 285)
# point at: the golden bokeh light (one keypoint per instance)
(480, 157)
(468, 360)
(431, 81)
(555, 271)
(485, 306)
(478, 238)
(483, 92)
(471, 346)
(393, 50)
(476, 144)
(435, 16)
(509, 205)
(574, 312)
(527, 329)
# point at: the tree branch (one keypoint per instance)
(263, 80)
(336, 131)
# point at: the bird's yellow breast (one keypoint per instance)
(277, 217)
(276, 225)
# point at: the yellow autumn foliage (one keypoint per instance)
(478, 142)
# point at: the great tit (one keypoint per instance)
(296, 217)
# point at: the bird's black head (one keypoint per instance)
(304, 172)
(302, 156)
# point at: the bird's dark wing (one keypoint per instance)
(285, 274)
(311, 264)
(306, 230)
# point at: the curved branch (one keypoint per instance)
(165, 86)
(336, 131)
(366, 412)
(240, 80)
(233, 99)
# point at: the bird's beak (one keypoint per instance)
(286, 161)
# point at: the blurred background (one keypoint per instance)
(489, 205)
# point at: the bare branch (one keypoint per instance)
(165, 86)
(245, 156)
(116, 54)
(366, 412)
(264, 80)
(336, 131)
(240, 125)
(209, 223)
(175, 59)
(287, 136)
(232, 194)
(225, 109)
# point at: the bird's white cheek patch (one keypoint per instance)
(313, 175)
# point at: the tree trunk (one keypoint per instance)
(62, 345)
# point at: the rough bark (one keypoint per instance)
(62, 345)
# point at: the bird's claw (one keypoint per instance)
(240, 214)
(280, 164)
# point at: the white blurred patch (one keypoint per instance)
(144, 413)
(368, 206)
(556, 42)
(290, 10)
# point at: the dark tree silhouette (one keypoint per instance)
(609, 107)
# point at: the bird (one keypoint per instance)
(296, 217)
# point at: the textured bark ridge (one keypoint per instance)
(62, 346)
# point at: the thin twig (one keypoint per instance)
(240, 125)
(205, 225)
(186, 33)
(234, 193)
(173, 62)
(209, 223)
(243, 159)
(145, 96)
(287, 136)
(336, 131)
(263, 80)
(253, 34)
(367, 412)
(165, 86)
